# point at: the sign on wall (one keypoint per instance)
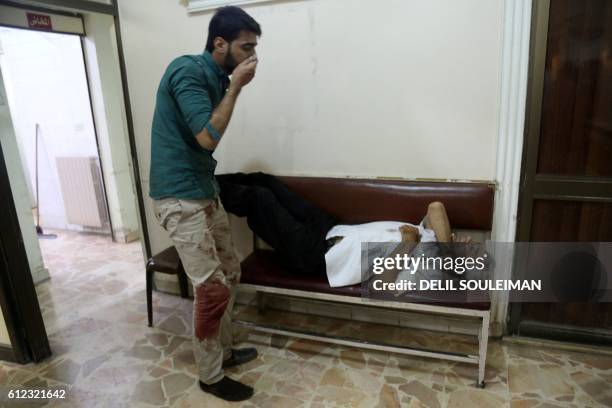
(40, 21)
(35, 20)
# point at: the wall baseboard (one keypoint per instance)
(566, 345)
(566, 333)
(40, 274)
(126, 236)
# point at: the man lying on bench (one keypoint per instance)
(309, 241)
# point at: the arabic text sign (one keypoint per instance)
(41, 21)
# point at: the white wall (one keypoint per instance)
(367, 88)
(46, 84)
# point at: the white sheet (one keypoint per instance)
(343, 260)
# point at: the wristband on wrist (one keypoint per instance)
(213, 132)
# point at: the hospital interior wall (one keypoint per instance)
(344, 88)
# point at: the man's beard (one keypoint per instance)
(230, 62)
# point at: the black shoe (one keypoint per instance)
(240, 356)
(228, 390)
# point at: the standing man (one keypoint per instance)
(195, 101)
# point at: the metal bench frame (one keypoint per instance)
(482, 315)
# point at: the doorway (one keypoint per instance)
(87, 208)
(47, 91)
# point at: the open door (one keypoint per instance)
(22, 317)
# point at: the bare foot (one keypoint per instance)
(409, 233)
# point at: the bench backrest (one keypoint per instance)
(352, 201)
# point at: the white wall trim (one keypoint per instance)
(515, 66)
(195, 6)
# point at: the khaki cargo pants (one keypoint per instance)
(201, 233)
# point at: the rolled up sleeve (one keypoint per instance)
(190, 91)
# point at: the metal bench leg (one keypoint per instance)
(182, 280)
(150, 296)
(261, 303)
(483, 341)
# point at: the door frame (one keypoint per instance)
(535, 186)
(18, 298)
(131, 135)
(535, 88)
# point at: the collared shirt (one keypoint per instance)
(191, 88)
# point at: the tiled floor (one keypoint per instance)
(94, 311)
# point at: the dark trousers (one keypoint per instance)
(293, 227)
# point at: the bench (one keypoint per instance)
(352, 201)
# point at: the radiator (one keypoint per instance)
(83, 191)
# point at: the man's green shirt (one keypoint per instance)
(191, 88)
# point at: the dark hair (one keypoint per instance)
(227, 23)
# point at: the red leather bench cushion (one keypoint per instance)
(262, 268)
(356, 201)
